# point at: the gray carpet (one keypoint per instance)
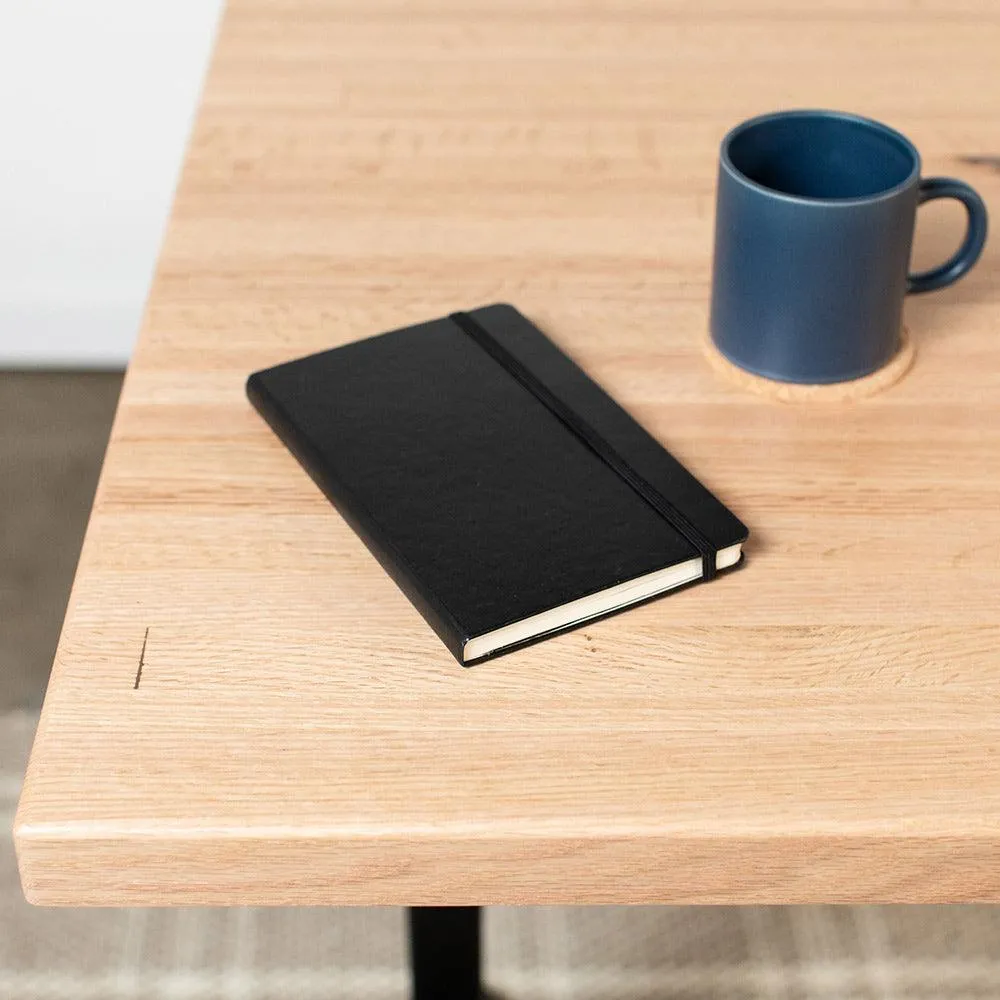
(52, 433)
(53, 429)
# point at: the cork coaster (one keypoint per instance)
(835, 392)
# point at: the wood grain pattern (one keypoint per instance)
(823, 725)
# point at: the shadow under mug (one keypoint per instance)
(814, 223)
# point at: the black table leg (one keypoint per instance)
(444, 952)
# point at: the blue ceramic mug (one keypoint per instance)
(814, 223)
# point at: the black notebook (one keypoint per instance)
(504, 491)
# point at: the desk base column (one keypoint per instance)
(444, 952)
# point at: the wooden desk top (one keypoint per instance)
(824, 725)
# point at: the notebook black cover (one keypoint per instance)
(491, 478)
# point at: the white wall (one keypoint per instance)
(96, 101)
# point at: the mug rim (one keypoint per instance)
(845, 116)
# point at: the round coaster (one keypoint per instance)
(834, 392)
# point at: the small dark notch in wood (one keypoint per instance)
(142, 660)
(981, 161)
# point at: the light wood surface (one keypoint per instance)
(823, 725)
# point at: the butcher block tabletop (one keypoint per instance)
(244, 709)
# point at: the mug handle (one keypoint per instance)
(975, 234)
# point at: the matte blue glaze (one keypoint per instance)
(814, 223)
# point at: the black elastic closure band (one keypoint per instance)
(668, 511)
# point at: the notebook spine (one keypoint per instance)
(354, 513)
